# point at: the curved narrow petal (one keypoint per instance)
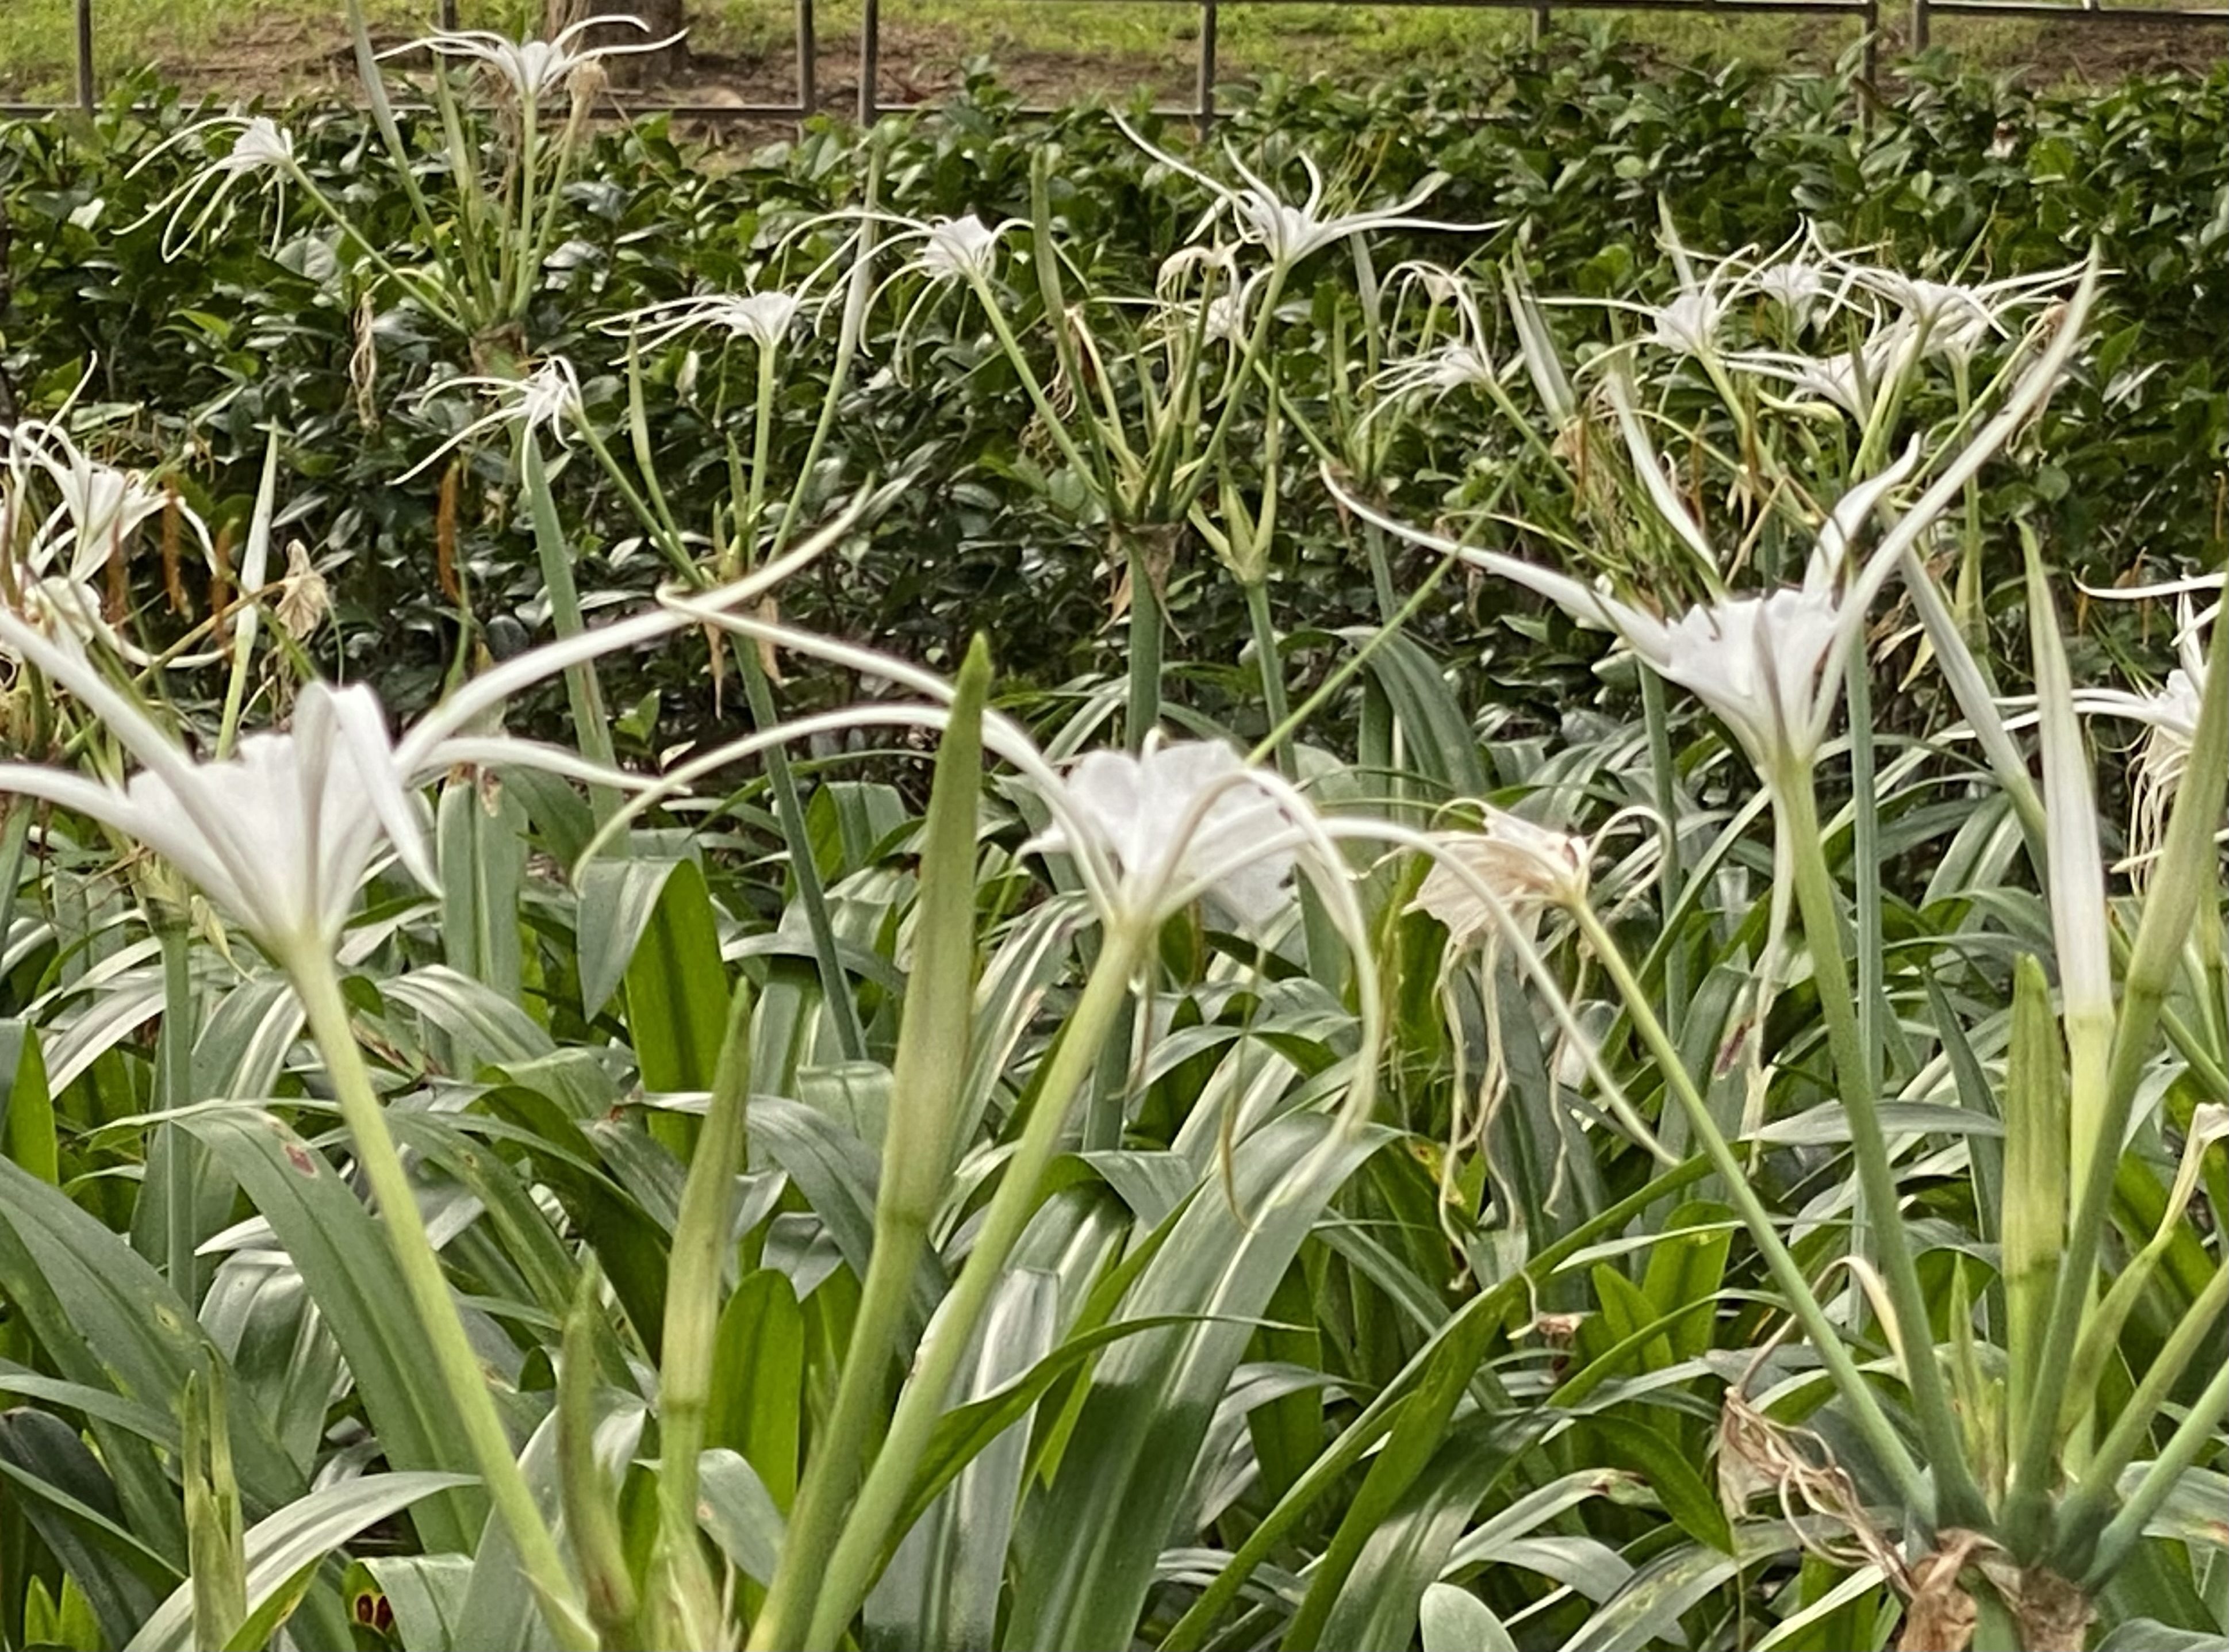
(1669, 506)
(1648, 635)
(362, 726)
(1832, 549)
(124, 718)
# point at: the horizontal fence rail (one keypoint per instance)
(1202, 111)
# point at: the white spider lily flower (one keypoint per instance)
(1446, 368)
(1217, 263)
(1462, 361)
(1798, 278)
(531, 70)
(1689, 325)
(1156, 831)
(1290, 233)
(548, 399)
(261, 148)
(957, 249)
(1530, 870)
(1768, 665)
(1689, 322)
(2169, 717)
(1851, 382)
(1224, 321)
(1198, 292)
(947, 252)
(1771, 665)
(1956, 319)
(281, 834)
(766, 318)
(101, 506)
(1793, 286)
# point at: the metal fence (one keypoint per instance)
(1867, 13)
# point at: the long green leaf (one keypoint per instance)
(1082, 1576)
(352, 1276)
(298, 1537)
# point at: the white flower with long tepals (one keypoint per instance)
(531, 70)
(956, 249)
(1459, 360)
(1767, 664)
(1688, 325)
(766, 318)
(280, 834)
(1794, 286)
(1157, 831)
(1851, 382)
(1956, 319)
(101, 506)
(50, 581)
(261, 148)
(548, 399)
(1288, 232)
(2168, 715)
(1529, 870)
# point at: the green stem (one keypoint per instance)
(816, 1524)
(1351, 667)
(1960, 1502)
(811, 894)
(988, 298)
(1271, 666)
(1874, 1018)
(1826, 1339)
(419, 290)
(317, 983)
(1670, 877)
(254, 561)
(592, 724)
(180, 1153)
(519, 235)
(850, 1571)
(650, 512)
(1381, 572)
(858, 287)
(703, 1248)
(2154, 961)
(761, 443)
(758, 695)
(1145, 703)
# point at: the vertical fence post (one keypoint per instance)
(808, 62)
(1203, 106)
(448, 16)
(85, 55)
(870, 59)
(1920, 30)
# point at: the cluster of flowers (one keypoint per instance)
(1157, 829)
